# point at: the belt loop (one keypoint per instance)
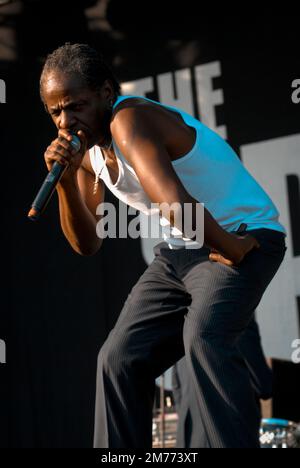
(242, 229)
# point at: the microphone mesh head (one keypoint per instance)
(76, 143)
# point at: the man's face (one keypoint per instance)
(74, 106)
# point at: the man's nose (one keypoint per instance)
(67, 120)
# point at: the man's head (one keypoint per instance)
(78, 90)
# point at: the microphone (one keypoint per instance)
(47, 189)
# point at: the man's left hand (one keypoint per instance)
(243, 245)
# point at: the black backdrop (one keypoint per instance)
(57, 307)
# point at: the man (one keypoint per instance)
(190, 428)
(189, 301)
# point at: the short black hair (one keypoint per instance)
(83, 60)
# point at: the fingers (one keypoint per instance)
(214, 257)
(81, 135)
(252, 243)
(65, 140)
(57, 153)
(61, 149)
(64, 134)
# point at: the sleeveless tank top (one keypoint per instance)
(211, 172)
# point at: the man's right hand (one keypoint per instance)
(62, 151)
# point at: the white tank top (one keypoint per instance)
(211, 172)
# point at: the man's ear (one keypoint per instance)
(106, 89)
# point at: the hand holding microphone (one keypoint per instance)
(63, 159)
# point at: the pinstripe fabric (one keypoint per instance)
(185, 304)
(190, 431)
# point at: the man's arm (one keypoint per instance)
(141, 142)
(77, 208)
(77, 204)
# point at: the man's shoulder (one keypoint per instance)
(130, 102)
(134, 114)
(130, 107)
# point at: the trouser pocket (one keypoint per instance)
(271, 244)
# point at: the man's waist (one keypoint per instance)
(263, 233)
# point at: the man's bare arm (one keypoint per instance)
(77, 204)
(77, 207)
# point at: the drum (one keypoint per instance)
(278, 433)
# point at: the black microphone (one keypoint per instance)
(49, 184)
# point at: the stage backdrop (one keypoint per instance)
(273, 161)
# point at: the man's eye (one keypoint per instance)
(54, 113)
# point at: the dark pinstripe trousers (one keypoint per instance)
(190, 430)
(184, 304)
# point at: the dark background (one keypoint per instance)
(57, 307)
